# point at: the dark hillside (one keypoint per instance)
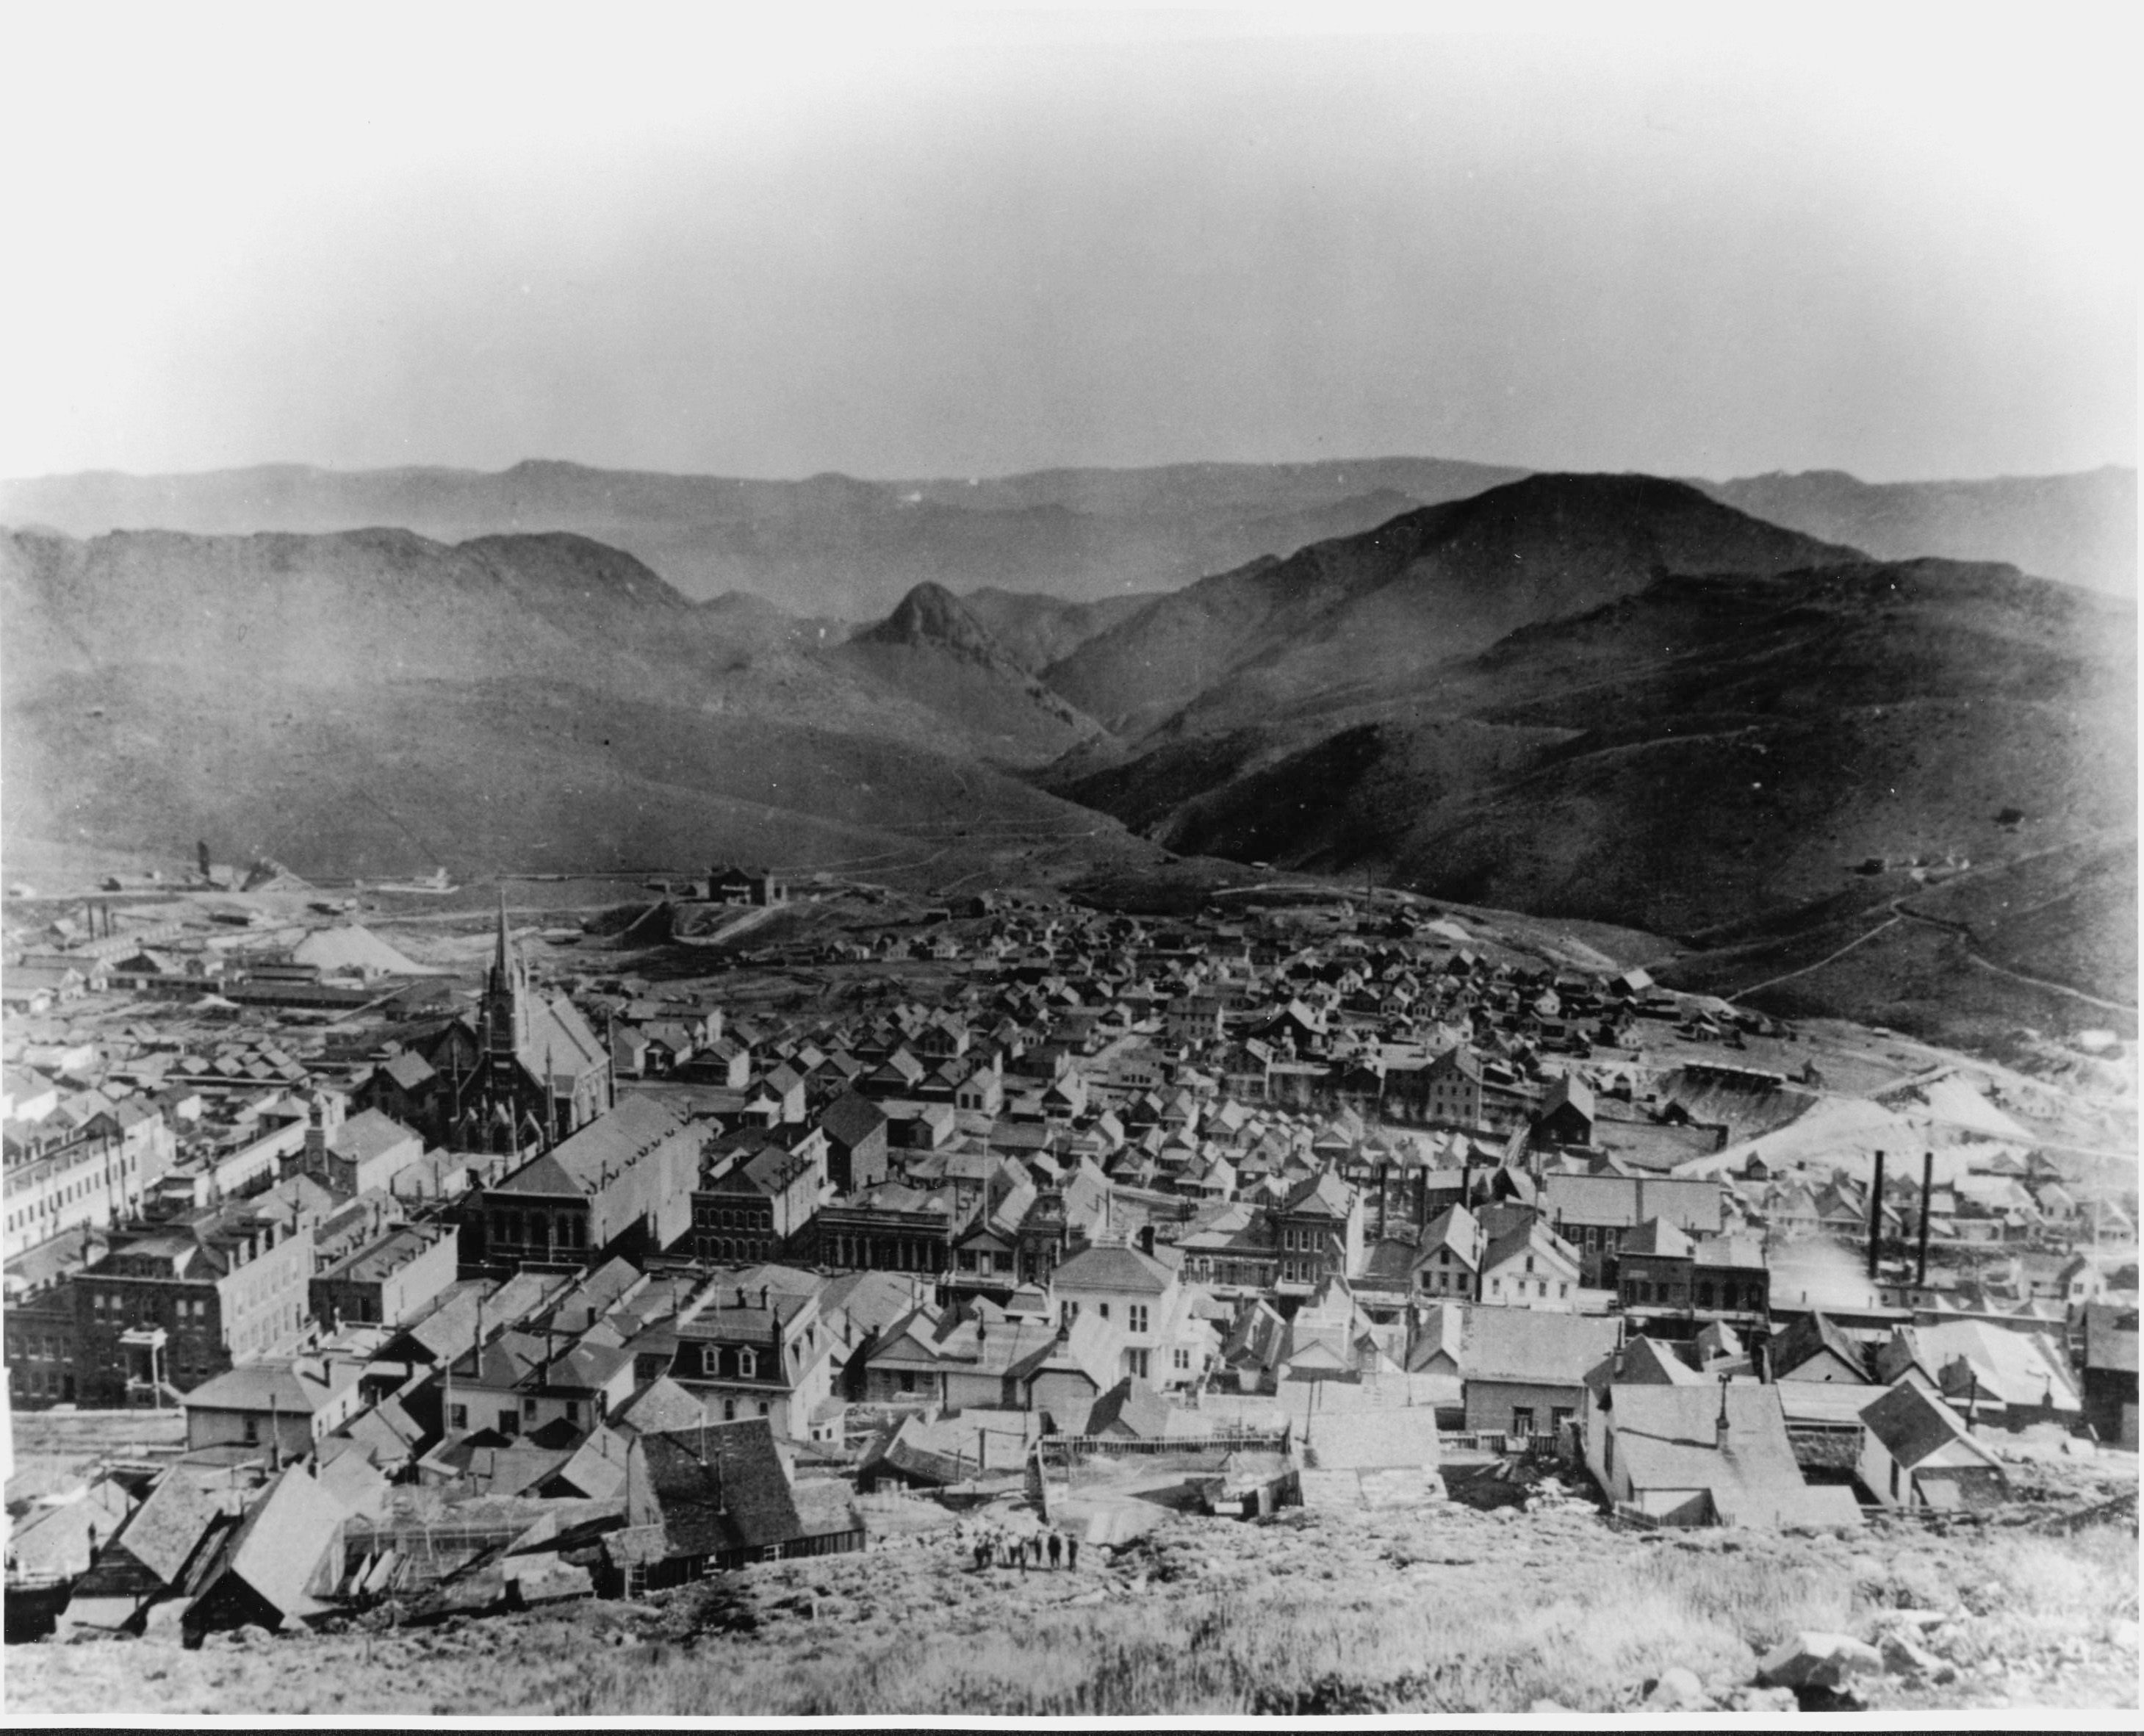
(1706, 753)
(1428, 587)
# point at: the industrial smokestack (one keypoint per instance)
(1876, 1218)
(1927, 1193)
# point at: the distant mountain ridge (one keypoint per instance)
(834, 545)
(2079, 527)
(374, 702)
(1430, 586)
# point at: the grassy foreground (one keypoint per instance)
(1440, 1609)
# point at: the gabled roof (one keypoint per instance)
(1133, 1405)
(1914, 1426)
(1809, 1339)
(1322, 1195)
(168, 1527)
(1533, 1345)
(577, 1164)
(370, 1135)
(281, 1539)
(1113, 1266)
(1533, 1236)
(1668, 1438)
(851, 1119)
(1646, 1362)
(1657, 1235)
(712, 1489)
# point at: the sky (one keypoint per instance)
(906, 243)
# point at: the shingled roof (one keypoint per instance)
(712, 1489)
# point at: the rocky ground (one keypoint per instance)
(1447, 1608)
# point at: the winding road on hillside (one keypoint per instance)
(1900, 912)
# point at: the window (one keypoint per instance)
(1183, 1360)
(528, 1409)
(573, 1411)
(253, 1431)
(1522, 1419)
(458, 1416)
(1139, 1318)
(907, 1380)
(763, 1407)
(1135, 1363)
(747, 1365)
(711, 1360)
(1102, 1309)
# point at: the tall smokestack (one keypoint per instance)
(1876, 1218)
(1927, 1193)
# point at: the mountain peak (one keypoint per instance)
(930, 614)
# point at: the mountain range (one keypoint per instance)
(833, 545)
(1616, 698)
(374, 702)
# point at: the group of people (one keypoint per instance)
(993, 1545)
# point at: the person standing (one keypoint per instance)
(1072, 1550)
(1056, 1550)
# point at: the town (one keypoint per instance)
(364, 1255)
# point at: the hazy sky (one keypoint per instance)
(923, 244)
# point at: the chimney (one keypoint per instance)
(762, 1295)
(1146, 1238)
(1927, 1193)
(1876, 1218)
(1722, 1439)
(743, 1301)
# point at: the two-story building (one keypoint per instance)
(622, 1184)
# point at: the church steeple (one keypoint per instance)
(505, 994)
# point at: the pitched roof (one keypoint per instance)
(1657, 1235)
(1668, 1438)
(1133, 1405)
(1913, 1426)
(1533, 1345)
(1112, 1266)
(1322, 1195)
(851, 1119)
(168, 1527)
(1809, 1339)
(368, 1135)
(282, 1538)
(715, 1488)
(579, 1162)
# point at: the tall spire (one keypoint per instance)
(499, 957)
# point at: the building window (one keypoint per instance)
(747, 1365)
(458, 1416)
(711, 1360)
(764, 1408)
(573, 1411)
(1522, 1421)
(729, 1410)
(1138, 1317)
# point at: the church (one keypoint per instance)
(530, 1072)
